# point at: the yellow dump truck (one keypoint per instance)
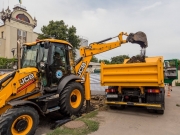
(135, 84)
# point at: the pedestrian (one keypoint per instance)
(170, 86)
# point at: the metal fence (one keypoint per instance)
(95, 84)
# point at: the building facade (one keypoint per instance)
(18, 26)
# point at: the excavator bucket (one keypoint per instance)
(138, 38)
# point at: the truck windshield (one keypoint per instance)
(32, 55)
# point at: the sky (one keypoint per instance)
(96, 20)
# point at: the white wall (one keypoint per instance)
(2, 44)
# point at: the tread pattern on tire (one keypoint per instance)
(6, 119)
(64, 100)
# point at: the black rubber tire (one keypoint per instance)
(7, 119)
(151, 110)
(65, 106)
(162, 102)
(112, 107)
(160, 111)
(118, 107)
(121, 107)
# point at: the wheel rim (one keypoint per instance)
(22, 125)
(75, 98)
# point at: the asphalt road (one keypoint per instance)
(133, 120)
(138, 121)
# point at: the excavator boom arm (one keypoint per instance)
(99, 47)
(95, 48)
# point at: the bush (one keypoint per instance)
(6, 63)
(177, 83)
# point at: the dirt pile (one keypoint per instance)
(136, 59)
(97, 102)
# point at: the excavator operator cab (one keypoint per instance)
(51, 57)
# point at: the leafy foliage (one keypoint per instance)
(173, 64)
(94, 59)
(6, 63)
(179, 64)
(177, 83)
(105, 61)
(59, 30)
(119, 59)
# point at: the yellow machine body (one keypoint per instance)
(24, 81)
(39, 87)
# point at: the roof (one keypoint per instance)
(58, 41)
(50, 40)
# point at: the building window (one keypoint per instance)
(22, 36)
(2, 34)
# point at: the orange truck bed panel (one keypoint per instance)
(134, 74)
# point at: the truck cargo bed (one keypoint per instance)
(146, 74)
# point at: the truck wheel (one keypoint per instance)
(162, 102)
(19, 121)
(119, 107)
(72, 99)
(160, 111)
(112, 107)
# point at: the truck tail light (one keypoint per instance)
(153, 91)
(107, 90)
(126, 97)
(110, 90)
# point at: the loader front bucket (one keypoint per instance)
(138, 38)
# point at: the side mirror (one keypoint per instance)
(42, 65)
(46, 44)
(13, 51)
(15, 67)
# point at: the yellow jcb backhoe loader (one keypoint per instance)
(47, 80)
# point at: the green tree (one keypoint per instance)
(105, 61)
(119, 59)
(6, 63)
(94, 59)
(173, 64)
(59, 30)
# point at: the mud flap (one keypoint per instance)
(157, 98)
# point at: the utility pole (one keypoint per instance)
(19, 53)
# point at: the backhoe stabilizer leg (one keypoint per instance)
(87, 91)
